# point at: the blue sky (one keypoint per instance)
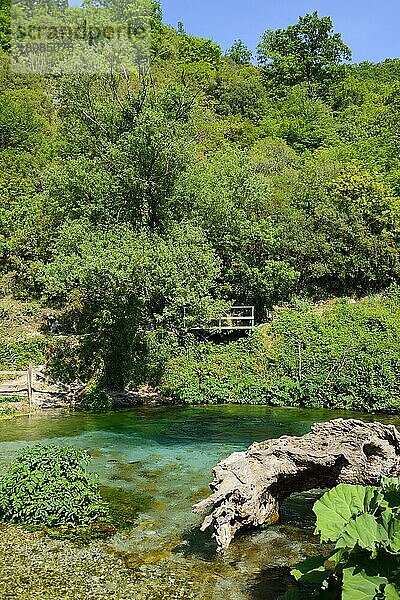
(369, 27)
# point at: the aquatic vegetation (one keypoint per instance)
(49, 485)
(78, 572)
(125, 504)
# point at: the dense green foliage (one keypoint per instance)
(49, 485)
(339, 355)
(19, 354)
(364, 525)
(21, 342)
(308, 52)
(206, 373)
(127, 196)
(125, 280)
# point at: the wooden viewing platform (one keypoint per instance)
(238, 318)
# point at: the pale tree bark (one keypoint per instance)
(249, 487)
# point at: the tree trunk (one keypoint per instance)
(249, 487)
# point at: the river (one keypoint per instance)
(153, 464)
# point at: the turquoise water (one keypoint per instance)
(155, 463)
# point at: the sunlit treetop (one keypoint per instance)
(308, 51)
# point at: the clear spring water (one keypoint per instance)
(154, 463)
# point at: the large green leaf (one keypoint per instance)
(391, 487)
(360, 586)
(337, 507)
(316, 569)
(311, 570)
(391, 592)
(386, 519)
(383, 565)
(394, 534)
(394, 545)
(364, 531)
(390, 522)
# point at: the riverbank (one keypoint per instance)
(35, 566)
(49, 394)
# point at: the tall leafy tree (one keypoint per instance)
(117, 283)
(307, 52)
(129, 146)
(239, 53)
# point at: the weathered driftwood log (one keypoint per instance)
(249, 487)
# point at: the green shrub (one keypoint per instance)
(347, 356)
(216, 374)
(7, 399)
(95, 398)
(344, 355)
(122, 284)
(67, 360)
(364, 525)
(49, 485)
(7, 411)
(18, 354)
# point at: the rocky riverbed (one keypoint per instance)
(35, 566)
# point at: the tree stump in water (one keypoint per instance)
(249, 487)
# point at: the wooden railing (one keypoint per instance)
(238, 318)
(29, 390)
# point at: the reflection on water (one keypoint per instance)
(155, 463)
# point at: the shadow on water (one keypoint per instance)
(297, 509)
(273, 583)
(270, 584)
(197, 543)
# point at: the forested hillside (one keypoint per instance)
(210, 179)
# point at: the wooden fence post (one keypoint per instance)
(29, 382)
